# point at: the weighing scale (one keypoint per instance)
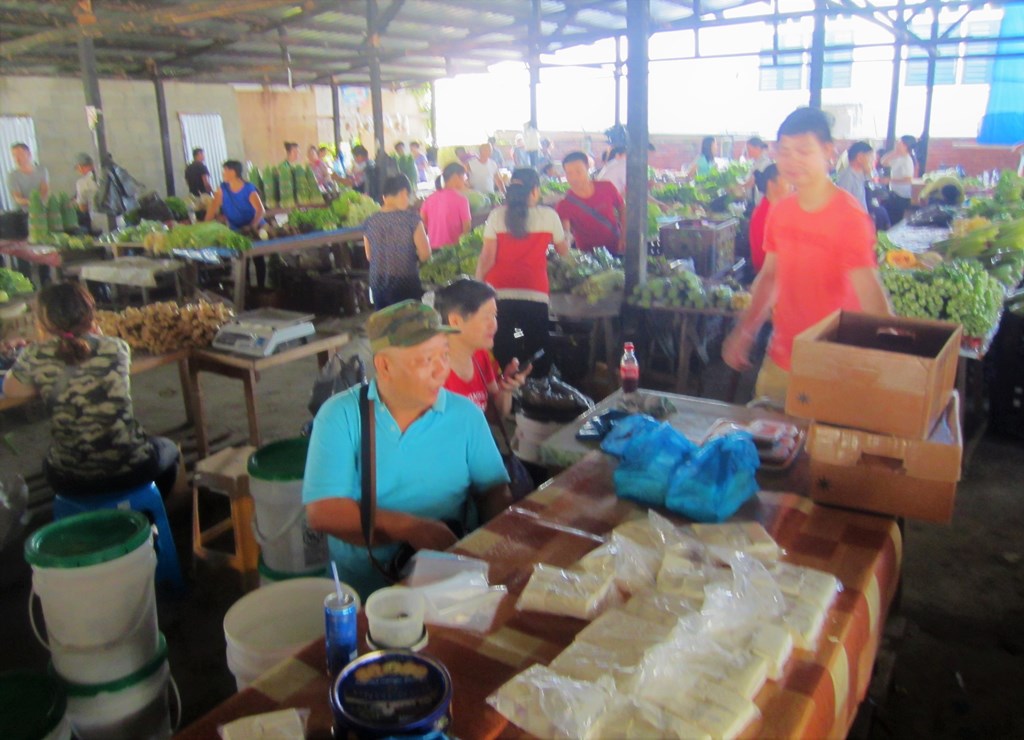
(263, 332)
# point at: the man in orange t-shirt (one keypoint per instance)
(819, 256)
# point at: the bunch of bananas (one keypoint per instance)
(983, 241)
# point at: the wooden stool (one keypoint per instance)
(225, 473)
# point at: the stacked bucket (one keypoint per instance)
(288, 547)
(94, 576)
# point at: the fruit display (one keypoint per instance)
(73, 243)
(983, 239)
(960, 291)
(163, 327)
(353, 208)
(202, 235)
(271, 199)
(285, 186)
(13, 282)
(307, 191)
(448, 263)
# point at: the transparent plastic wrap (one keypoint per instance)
(635, 719)
(464, 601)
(665, 609)
(431, 566)
(750, 596)
(568, 592)
(285, 724)
(549, 705)
(618, 626)
(695, 654)
(653, 532)
(633, 566)
(684, 577)
(772, 642)
(813, 586)
(748, 537)
(585, 661)
(804, 622)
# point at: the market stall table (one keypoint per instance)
(600, 315)
(36, 255)
(247, 369)
(136, 272)
(817, 696)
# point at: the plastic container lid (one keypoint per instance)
(280, 461)
(84, 690)
(31, 705)
(87, 539)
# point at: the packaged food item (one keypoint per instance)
(772, 642)
(700, 701)
(550, 705)
(813, 586)
(654, 531)
(748, 537)
(804, 621)
(568, 592)
(635, 719)
(617, 626)
(665, 609)
(633, 566)
(586, 661)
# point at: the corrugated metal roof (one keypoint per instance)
(241, 40)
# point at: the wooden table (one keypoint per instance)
(817, 696)
(247, 369)
(141, 362)
(285, 245)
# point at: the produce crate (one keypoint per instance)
(711, 246)
(1006, 395)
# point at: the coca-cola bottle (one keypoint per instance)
(629, 370)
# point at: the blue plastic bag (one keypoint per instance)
(650, 453)
(716, 480)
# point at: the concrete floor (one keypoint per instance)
(955, 649)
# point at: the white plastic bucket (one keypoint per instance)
(530, 435)
(270, 624)
(287, 543)
(270, 576)
(135, 706)
(93, 574)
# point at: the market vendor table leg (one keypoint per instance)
(686, 328)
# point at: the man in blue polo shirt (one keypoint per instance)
(432, 448)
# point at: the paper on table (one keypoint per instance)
(286, 724)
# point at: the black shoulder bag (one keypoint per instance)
(520, 481)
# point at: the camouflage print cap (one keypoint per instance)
(404, 324)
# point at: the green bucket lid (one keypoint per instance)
(280, 461)
(95, 689)
(87, 539)
(31, 705)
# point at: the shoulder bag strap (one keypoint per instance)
(597, 215)
(368, 454)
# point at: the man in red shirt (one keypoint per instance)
(592, 211)
(819, 256)
(775, 189)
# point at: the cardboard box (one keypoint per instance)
(877, 373)
(889, 474)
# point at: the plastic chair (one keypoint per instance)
(146, 499)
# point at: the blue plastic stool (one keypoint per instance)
(146, 499)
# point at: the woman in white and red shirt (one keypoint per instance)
(471, 307)
(514, 262)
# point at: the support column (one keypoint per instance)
(336, 116)
(376, 97)
(817, 54)
(165, 132)
(637, 32)
(535, 32)
(897, 62)
(933, 53)
(433, 115)
(618, 81)
(91, 83)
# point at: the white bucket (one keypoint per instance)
(93, 574)
(270, 624)
(287, 543)
(270, 576)
(530, 435)
(136, 706)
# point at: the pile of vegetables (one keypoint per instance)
(285, 186)
(13, 283)
(72, 243)
(202, 235)
(177, 207)
(54, 217)
(448, 263)
(353, 208)
(594, 275)
(164, 327)
(554, 187)
(314, 219)
(1007, 201)
(133, 234)
(478, 202)
(669, 285)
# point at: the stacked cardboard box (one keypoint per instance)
(886, 432)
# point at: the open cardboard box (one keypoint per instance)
(877, 373)
(888, 474)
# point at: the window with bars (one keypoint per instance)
(916, 71)
(838, 69)
(979, 71)
(783, 71)
(14, 130)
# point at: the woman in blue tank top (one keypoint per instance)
(237, 201)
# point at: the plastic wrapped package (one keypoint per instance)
(463, 601)
(549, 705)
(804, 621)
(810, 585)
(585, 661)
(665, 609)
(633, 566)
(683, 577)
(568, 592)
(649, 461)
(750, 596)
(285, 724)
(431, 566)
(748, 537)
(772, 642)
(635, 719)
(695, 653)
(654, 532)
(616, 626)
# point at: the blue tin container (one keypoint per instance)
(391, 693)
(340, 631)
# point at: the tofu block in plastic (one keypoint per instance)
(585, 661)
(568, 592)
(633, 566)
(547, 704)
(636, 719)
(804, 621)
(813, 586)
(665, 609)
(616, 626)
(772, 642)
(748, 537)
(716, 721)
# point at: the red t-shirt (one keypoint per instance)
(814, 254)
(521, 265)
(758, 220)
(476, 389)
(587, 230)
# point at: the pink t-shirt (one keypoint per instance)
(445, 214)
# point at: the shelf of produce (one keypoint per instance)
(690, 322)
(38, 257)
(286, 245)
